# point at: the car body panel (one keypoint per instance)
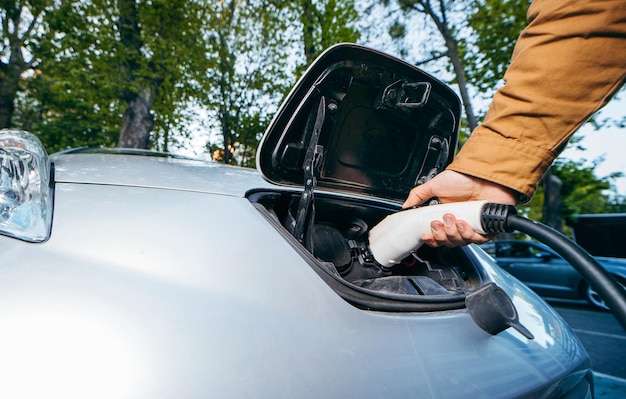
(145, 292)
(156, 171)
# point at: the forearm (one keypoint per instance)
(566, 65)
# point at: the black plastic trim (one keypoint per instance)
(360, 297)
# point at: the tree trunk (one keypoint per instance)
(137, 121)
(8, 91)
(459, 72)
(10, 74)
(441, 21)
(308, 31)
(552, 201)
(227, 136)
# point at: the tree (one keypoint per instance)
(255, 42)
(249, 77)
(119, 72)
(495, 26)
(71, 101)
(448, 17)
(581, 192)
(616, 204)
(24, 25)
(157, 53)
(324, 23)
(130, 73)
(552, 203)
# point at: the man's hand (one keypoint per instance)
(450, 186)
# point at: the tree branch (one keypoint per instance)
(435, 56)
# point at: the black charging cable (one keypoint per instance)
(499, 218)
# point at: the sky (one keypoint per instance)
(609, 143)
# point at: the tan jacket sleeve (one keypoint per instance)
(566, 65)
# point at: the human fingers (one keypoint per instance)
(452, 233)
(447, 233)
(469, 235)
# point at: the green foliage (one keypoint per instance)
(254, 43)
(582, 192)
(23, 28)
(322, 24)
(230, 59)
(397, 30)
(70, 115)
(616, 204)
(495, 26)
(250, 76)
(87, 70)
(337, 23)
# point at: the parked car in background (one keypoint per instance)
(547, 273)
(130, 274)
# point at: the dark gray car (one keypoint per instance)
(543, 270)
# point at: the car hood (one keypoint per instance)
(361, 122)
(163, 172)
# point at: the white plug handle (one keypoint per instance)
(400, 233)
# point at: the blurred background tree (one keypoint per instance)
(203, 77)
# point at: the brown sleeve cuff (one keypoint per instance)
(504, 161)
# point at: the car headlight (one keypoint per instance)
(26, 192)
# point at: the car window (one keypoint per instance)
(538, 252)
(490, 248)
(509, 249)
(514, 250)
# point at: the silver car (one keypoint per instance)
(127, 274)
